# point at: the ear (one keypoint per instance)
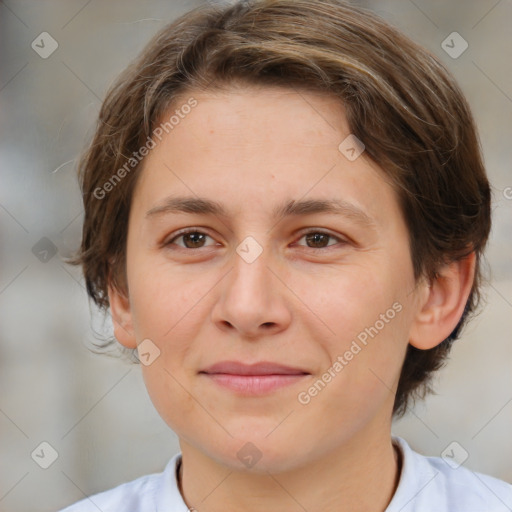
(121, 317)
(442, 303)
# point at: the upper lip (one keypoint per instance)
(260, 368)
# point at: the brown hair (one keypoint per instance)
(399, 100)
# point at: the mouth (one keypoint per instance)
(253, 379)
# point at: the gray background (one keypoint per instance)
(94, 410)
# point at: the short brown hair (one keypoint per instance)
(399, 100)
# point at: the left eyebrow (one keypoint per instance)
(204, 206)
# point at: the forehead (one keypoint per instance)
(250, 116)
(257, 147)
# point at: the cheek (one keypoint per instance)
(368, 315)
(167, 391)
(165, 301)
(351, 301)
(361, 383)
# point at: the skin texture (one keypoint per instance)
(252, 149)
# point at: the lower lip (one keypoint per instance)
(254, 384)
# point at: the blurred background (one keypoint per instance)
(91, 412)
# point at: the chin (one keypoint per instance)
(257, 455)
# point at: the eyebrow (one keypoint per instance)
(204, 206)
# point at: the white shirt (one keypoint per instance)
(427, 484)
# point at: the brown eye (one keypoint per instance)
(320, 239)
(192, 239)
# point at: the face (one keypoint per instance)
(324, 295)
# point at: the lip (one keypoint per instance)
(260, 368)
(253, 379)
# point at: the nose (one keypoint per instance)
(253, 301)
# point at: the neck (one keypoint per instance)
(357, 477)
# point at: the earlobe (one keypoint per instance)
(442, 303)
(121, 317)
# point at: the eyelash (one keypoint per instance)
(313, 231)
